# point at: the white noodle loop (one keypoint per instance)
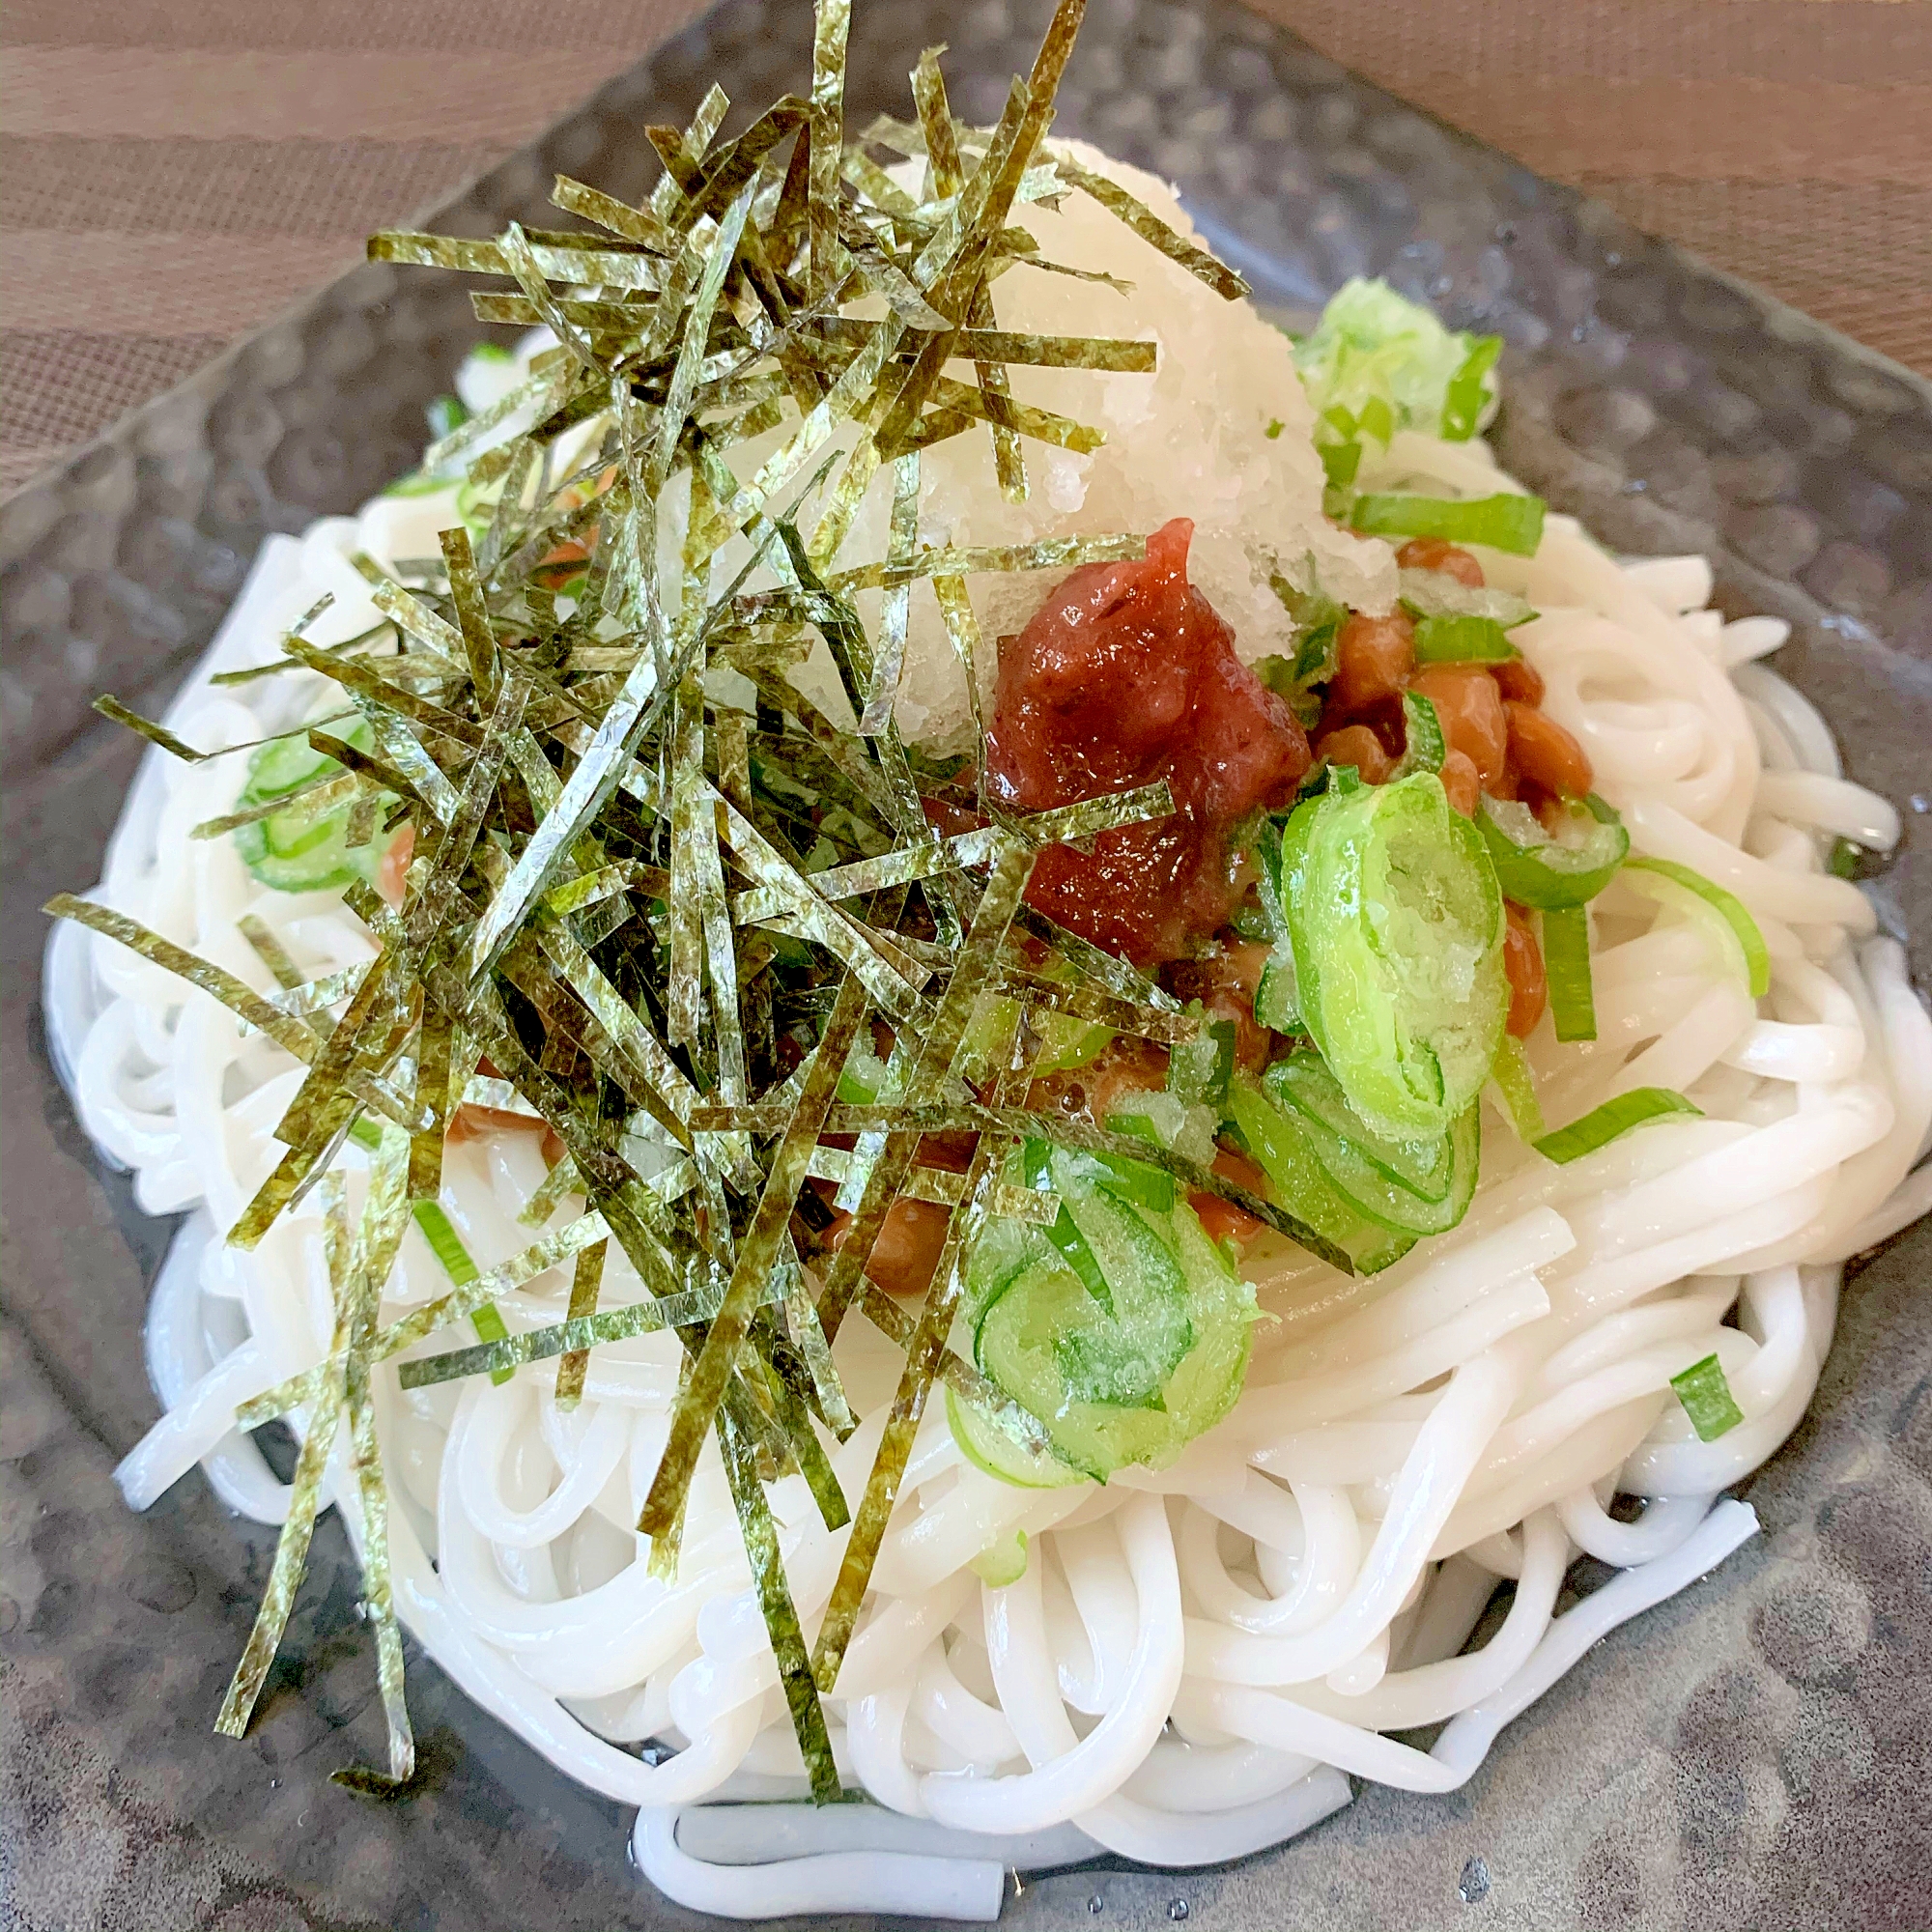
(1190, 1660)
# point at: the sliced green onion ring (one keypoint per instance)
(1339, 463)
(1516, 1086)
(1424, 747)
(1614, 1119)
(1275, 1003)
(1673, 885)
(454, 1258)
(1435, 593)
(1448, 639)
(1463, 399)
(1505, 521)
(1066, 1236)
(1277, 1141)
(1535, 869)
(1396, 927)
(1566, 966)
(1415, 1187)
(1707, 1399)
(1376, 419)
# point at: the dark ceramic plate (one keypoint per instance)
(1753, 1753)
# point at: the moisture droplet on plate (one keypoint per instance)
(1094, 1905)
(1474, 1885)
(1176, 1909)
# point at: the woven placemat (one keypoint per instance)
(174, 172)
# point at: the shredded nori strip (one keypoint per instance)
(1012, 868)
(319, 795)
(562, 1180)
(697, 1401)
(578, 1335)
(808, 1336)
(270, 951)
(304, 1495)
(1149, 227)
(420, 1323)
(375, 1255)
(665, 921)
(795, 1672)
(113, 709)
(922, 1356)
(281, 1025)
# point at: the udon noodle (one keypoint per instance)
(1193, 1662)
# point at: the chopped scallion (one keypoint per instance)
(1514, 1083)
(445, 414)
(1614, 1119)
(1424, 747)
(1505, 521)
(1435, 593)
(446, 1245)
(1064, 1235)
(1707, 1399)
(1339, 463)
(1463, 401)
(1570, 869)
(1688, 891)
(1462, 640)
(1004, 1562)
(1566, 967)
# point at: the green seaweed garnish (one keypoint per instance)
(663, 915)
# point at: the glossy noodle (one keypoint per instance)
(1192, 1663)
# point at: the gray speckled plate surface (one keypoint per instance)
(1754, 1754)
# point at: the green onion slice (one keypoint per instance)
(1614, 1119)
(446, 1245)
(1065, 1238)
(1435, 593)
(1516, 1086)
(1707, 1399)
(1569, 868)
(1424, 747)
(1505, 521)
(1673, 885)
(1463, 399)
(1148, 1188)
(1396, 927)
(1275, 1139)
(1318, 622)
(1566, 965)
(1450, 639)
(445, 414)
(1413, 1187)
(1339, 463)
(1276, 1003)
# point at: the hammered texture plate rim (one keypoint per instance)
(1409, 1864)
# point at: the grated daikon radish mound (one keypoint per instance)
(1190, 441)
(1187, 441)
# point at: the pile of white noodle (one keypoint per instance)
(1192, 1659)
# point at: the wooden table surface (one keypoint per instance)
(174, 172)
